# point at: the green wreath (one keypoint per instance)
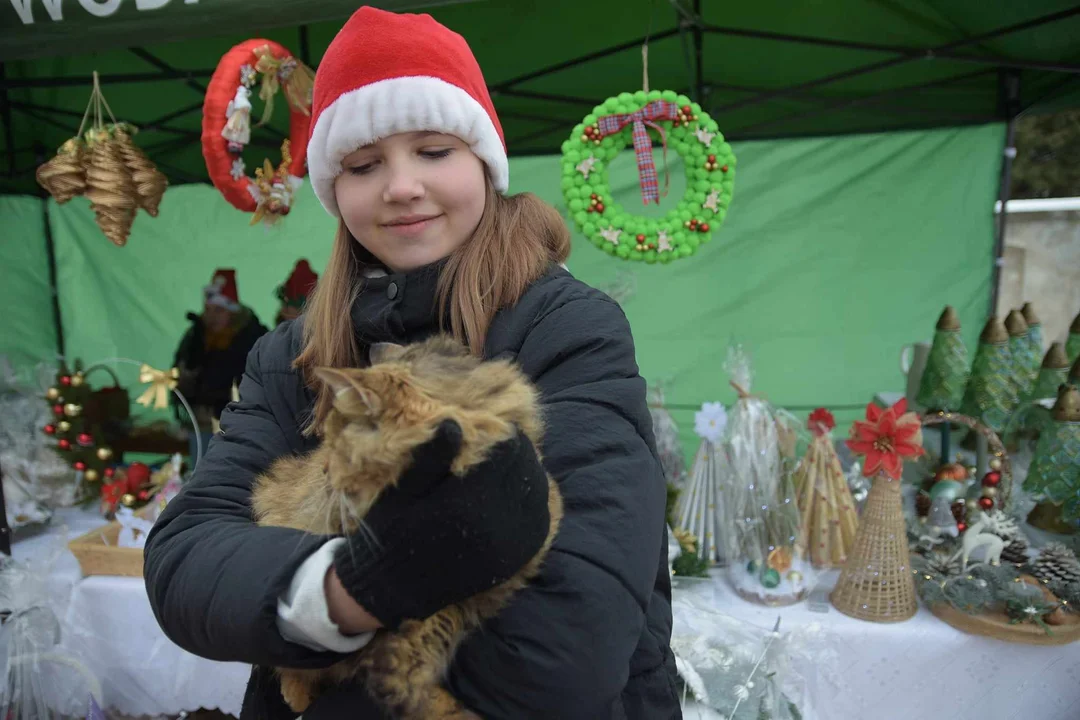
(710, 177)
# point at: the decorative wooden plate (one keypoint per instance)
(996, 625)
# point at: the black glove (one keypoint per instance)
(441, 539)
(350, 701)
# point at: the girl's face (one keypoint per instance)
(412, 198)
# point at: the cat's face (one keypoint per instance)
(382, 412)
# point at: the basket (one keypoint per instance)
(107, 407)
(98, 553)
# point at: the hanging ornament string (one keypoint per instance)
(97, 100)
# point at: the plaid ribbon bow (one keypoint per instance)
(648, 115)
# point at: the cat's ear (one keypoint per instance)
(385, 352)
(350, 396)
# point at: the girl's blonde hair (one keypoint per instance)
(516, 240)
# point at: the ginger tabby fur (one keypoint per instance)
(380, 414)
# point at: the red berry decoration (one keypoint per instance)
(144, 495)
(986, 503)
(961, 527)
(58, 409)
(109, 472)
(79, 465)
(64, 444)
(723, 168)
(600, 207)
(704, 227)
(85, 439)
(65, 380)
(991, 479)
(50, 429)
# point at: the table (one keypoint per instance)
(921, 668)
(107, 621)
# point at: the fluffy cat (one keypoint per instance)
(379, 415)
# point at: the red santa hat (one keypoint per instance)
(222, 290)
(301, 282)
(387, 73)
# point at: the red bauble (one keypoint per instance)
(694, 223)
(58, 409)
(599, 207)
(85, 439)
(64, 444)
(143, 495)
(712, 158)
(593, 197)
(79, 465)
(723, 168)
(641, 238)
(65, 380)
(687, 109)
(50, 429)
(991, 479)
(589, 130)
(961, 527)
(704, 227)
(986, 503)
(109, 472)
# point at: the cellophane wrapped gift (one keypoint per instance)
(41, 679)
(761, 531)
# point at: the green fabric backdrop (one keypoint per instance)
(27, 331)
(836, 251)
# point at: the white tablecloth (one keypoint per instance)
(107, 621)
(919, 669)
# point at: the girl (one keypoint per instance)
(406, 150)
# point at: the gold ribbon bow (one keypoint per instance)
(161, 383)
(299, 82)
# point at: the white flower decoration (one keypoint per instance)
(710, 421)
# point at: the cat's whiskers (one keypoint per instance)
(347, 509)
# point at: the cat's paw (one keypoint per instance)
(297, 690)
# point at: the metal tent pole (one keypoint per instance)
(1009, 90)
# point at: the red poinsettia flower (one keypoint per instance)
(886, 437)
(821, 421)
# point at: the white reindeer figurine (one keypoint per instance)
(975, 537)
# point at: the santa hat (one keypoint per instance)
(387, 73)
(222, 290)
(296, 289)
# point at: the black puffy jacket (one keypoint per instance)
(588, 639)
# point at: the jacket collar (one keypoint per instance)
(397, 307)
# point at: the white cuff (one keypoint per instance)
(303, 615)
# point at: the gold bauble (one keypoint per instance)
(104, 453)
(972, 505)
(91, 475)
(63, 426)
(990, 492)
(128, 500)
(995, 464)
(72, 410)
(77, 379)
(52, 393)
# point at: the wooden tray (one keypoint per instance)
(996, 625)
(98, 553)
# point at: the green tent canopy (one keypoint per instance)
(764, 69)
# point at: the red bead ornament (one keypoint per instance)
(79, 465)
(986, 503)
(961, 527)
(991, 479)
(50, 429)
(109, 472)
(58, 409)
(144, 495)
(65, 380)
(599, 207)
(723, 168)
(703, 227)
(85, 439)
(64, 444)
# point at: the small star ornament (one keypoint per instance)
(238, 169)
(664, 241)
(611, 235)
(586, 166)
(704, 136)
(712, 201)
(247, 75)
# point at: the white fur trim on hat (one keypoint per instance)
(403, 104)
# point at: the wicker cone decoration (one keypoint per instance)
(110, 191)
(876, 583)
(149, 182)
(829, 521)
(64, 176)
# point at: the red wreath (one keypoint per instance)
(242, 66)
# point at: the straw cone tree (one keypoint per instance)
(1055, 468)
(698, 510)
(828, 510)
(876, 582)
(1025, 359)
(990, 396)
(946, 374)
